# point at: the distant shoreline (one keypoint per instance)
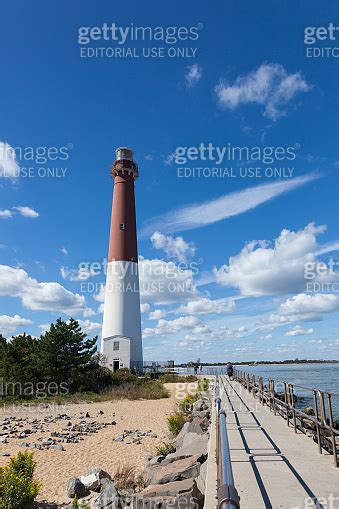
(263, 363)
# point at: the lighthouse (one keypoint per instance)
(121, 342)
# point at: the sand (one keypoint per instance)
(54, 468)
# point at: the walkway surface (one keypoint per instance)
(273, 467)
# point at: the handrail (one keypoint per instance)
(320, 425)
(228, 497)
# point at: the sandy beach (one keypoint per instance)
(55, 467)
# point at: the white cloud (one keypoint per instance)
(175, 247)
(9, 167)
(299, 331)
(264, 269)
(144, 307)
(268, 336)
(157, 314)
(270, 86)
(27, 212)
(193, 75)
(80, 274)
(229, 205)
(165, 327)
(304, 307)
(64, 251)
(205, 305)
(8, 324)
(44, 296)
(6, 214)
(164, 282)
(89, 327)
(169, 159)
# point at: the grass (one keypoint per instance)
(165, 448)
(134, 390)
(175, 423)
(203, 385)
(186, 404)
(124, 477)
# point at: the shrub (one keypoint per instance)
(165, 448)
(186, 404)
(176, 422)
(203, 385)
(18, 488)
(173, 378)
(75, 504)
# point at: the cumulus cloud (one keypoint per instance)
(64, 251)
(165, 282)
(44, 296)
(262, 268)
(9, 167)
(175, 247)
(193, 75)
(205, 305)
(27, 212)
(305, 307)
(165, 327)
(5, 214)
(23, 211)
(9, 324)
(80, 274)
(144, 307)
(89, 327)
(229, 205)
(299, 331)
(157, 314)
(270, 86)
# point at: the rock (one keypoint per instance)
(75, 488)
(5, 454)
(201, 479)
(192, 445)
(109, 497)
(87, 415)
(92, 480)
(57, 447)
(181, 491)
(156, 460)
(309, 411)
(176, 471)
(199, 406)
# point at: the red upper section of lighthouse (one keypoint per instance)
(123, 235)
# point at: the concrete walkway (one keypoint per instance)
(273, 467)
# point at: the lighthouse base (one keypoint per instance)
(121, 332)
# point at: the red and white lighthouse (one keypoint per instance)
(121, 342)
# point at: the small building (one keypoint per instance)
(117, 352)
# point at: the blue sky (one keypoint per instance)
(236, 244)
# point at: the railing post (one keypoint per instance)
(330, 414)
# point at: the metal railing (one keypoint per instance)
(282, 397)
(228, 497)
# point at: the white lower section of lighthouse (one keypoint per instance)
(121, 342)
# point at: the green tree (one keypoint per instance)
(65, 354)
(3, 357)
(21, 362)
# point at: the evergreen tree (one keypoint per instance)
(21, 359)
(3, 357)
(65, 353)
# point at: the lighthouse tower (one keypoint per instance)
(121, 342)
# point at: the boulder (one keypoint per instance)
(200, 405)
(174, 494)
(192, 445)
(75, 488)
(309, 411)
(201, 479)
(176, 471)
(109, 497)
(93, 477)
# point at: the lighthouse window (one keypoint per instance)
(122, 226)
(116, 345)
